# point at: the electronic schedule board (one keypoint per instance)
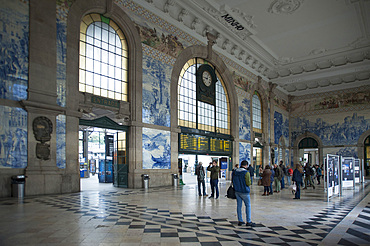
(198, 144)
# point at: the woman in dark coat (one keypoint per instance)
(297, 178)
(266, 174)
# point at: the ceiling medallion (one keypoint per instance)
(284, 6)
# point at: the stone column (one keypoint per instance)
(43, 176)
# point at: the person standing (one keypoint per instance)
(215, 170)
(277, 178)
(199, 171)
(266, 180)
(272, 181)
(242, 181)
(318, 173)
(251, 172)
(283, 174)
(290, 174)
(297, 179)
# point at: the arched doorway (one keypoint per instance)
(308, 146)
(308, 151)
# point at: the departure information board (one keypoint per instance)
(203, 144)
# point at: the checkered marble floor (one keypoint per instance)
(177, 216)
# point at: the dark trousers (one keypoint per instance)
(266, 189)
(298, 191)
(271, 191)
(214, 185)
(204, 187)
(282, 183)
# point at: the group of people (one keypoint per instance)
(275, 174)
(242, 180)
(201, 174)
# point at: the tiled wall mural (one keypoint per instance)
(13, 137)
(244, 152)
(291, 159)
(156, 149)
(62, 14)
(340, 99)
(244, 119)
(156, 92)
(14, 32)
(276, 160)
(61, 141)
(286, 162)
(343, 129)
(344, 152)
(281, 127)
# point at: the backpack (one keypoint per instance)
(201, 174)
(231, 192)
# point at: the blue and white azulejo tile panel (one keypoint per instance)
(14, 32)
(61, 141)
(156, 149)
(245, 152)
(156, 92)
(244, 119)
(341, 130)
(281, 127)
(13, 137)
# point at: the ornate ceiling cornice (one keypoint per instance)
(236, 39)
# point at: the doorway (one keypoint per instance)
(308, 152)
(102, 154)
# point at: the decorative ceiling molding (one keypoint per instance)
(284, 6)
(238, 40)
(319, 64)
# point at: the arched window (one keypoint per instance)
(200, 115)
(257, 113)
(103, 58)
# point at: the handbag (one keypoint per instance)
(231, 192)
(293, 188)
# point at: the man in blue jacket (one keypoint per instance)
(241, 180)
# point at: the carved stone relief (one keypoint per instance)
(42, 129)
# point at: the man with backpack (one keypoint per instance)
(199, 171)
(242, 181)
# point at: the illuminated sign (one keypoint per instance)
(203, 144)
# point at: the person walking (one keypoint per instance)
(297, 179)
(242, 181)
(215, 170)
(308, 180)
(199, 171)
(266, 180)
(277, 178)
